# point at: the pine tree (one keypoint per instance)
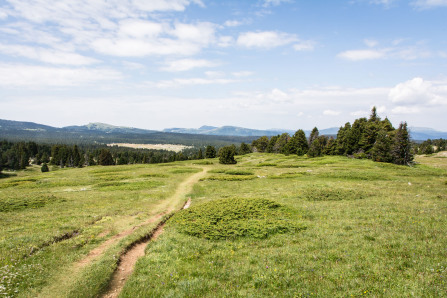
(313, 135)
(200, 154)
(271, 145)
(261, 144)
(226, 155)
(381, 151)
(298, 143)
(44, 168)
(244, 149)
(401, 147)
(105, 158)
(281, 144)
(210, 152)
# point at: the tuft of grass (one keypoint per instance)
(318, 193)
(229, 178)
(184, 170)
(239, 172)
(267, 164)
(235, 218)
(33, 202)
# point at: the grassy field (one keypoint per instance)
(271, 225)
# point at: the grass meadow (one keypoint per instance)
(271, 225)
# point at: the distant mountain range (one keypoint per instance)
(102, 133)
(241, 131)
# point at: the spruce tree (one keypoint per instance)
(210, 152)
(313, 135)
(200, 154)
(381, 151)
(44, 168)
(226, 155)
(244, 149)
(105, 158)
(401, 147)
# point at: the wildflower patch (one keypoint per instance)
(236, 218)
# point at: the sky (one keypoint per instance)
(262, 64)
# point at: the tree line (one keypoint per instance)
(19, 155)
(371, 138)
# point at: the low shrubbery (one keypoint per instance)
(235, 218)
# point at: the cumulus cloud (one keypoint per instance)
(427, 4)
(357, 55)
(233, 23)
(304, 46)
(12, 75)
(175, 83)
(187, 64)
(331, 113)
(47, 55)
(396, 51)
(265, 39)
(268, 3)
(418, 91)
(405, 110)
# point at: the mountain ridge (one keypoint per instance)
(417, 133)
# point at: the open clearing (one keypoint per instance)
(168, 147)
(271, 225)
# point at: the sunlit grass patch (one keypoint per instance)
(326, 193)
(289, 175)
(28, 202)
(120, 185)
(185, 170)
(228, 178)
(236, 217)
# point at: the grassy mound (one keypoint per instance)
(236, 218)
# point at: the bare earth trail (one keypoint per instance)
(128, 260)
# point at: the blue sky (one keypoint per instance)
(259, 64)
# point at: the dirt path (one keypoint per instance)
(130, 258)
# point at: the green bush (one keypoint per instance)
(236, 218)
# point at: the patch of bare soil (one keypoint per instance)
(131, 256)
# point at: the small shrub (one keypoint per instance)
(44, 168)
(16, 204)
(229, 178)
(332, 194)
(236, 218)
(238, 172)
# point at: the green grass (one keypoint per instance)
(50, 220)
(329, 226)
(372, 229)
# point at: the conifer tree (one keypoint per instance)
(244, 149)
(200, 154)
(44, 168)
(105, 158)
(271, 145)
(210, 152)
(226, 155)
(381, 151)
(401, 147)
(313, 135)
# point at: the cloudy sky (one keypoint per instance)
(260, 64)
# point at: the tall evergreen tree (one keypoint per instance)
(271, 145)
(298, 143)
(381, 151)
(401, 147)
(105, 158)
(210, 152)
(261, 144)
(281, 144)
(313, 135)
(244, 149)
(226, 155)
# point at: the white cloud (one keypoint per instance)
(232, 23)
(225, 41)
(418, 91)
(265, 39)
(357, 55)
(427, 4)
(371, 42)
(242, 73)
(405, 110)
(175, 83)
(331, 113)
(187, 64)
(304, 46)
(268, 3)
(12, 75)
(47, 55)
